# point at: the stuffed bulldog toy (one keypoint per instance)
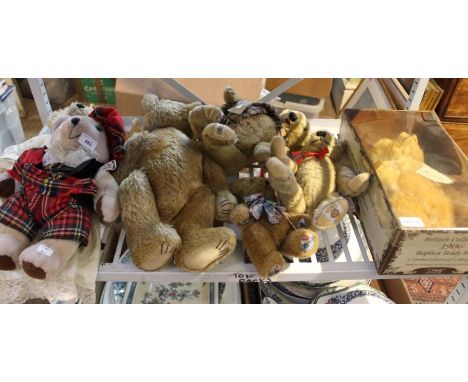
(56, 189)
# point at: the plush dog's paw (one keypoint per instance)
(108, 209)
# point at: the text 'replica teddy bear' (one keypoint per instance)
(237, 134)
(170, 195)
(398, 163)
(269, 233)
(166, 113)
(59, 185)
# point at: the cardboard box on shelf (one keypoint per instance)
(414, 213)
(130, 91)
(310, 87)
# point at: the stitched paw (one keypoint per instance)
(225, 203)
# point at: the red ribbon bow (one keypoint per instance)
(300, 156)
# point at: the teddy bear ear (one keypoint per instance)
(149, 101)
(230, 96)
(60, 119)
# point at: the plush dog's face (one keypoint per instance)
(76, 139)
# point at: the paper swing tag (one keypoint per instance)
(45, 250)
(87, 142)
(240, 107)
(109, 166)
(434, 175)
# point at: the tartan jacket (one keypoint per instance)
(48, 192)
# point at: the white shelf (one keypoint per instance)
(354, 263)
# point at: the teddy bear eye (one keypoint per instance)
(98, 128)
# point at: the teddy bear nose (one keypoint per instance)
(292, 116)
(219, 129)
(75, 121)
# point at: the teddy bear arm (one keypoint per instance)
(213, 175)
(106, 202)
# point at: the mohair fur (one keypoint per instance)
(166, 113)
(170, 195)
(411, 194)
(267, 243)
(303, 188)
(235, 141)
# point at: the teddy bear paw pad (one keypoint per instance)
(7, 263)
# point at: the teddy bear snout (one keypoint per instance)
(292, 116)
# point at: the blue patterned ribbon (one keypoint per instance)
(258, 205)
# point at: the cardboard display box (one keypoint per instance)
(130, 91)
(310, 87)
(399, 218)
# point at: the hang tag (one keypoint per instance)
(434, 175)
(87, 142)
(109, 166)
(45, 250)
(240, 107)
(411, 221)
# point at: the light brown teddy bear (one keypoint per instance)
(307, 184)
(170, 196)
(166, 113)
(397, 162)
(268, 234)
(297, 134)
(237, 134)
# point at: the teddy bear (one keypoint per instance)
(412, 193)
(166, 113)
(307, 183)
(170, 196)
(269, 233)
(297, 134)
(60, 184)
(236, 134)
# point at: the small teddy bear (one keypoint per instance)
(269, 233)
(237, 134)
(59, 185)
(307, 183)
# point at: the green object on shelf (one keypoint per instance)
(99, 90)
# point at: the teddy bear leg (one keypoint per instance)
(46, 258)
(330, 211)
(151, 243)
(203, 246)
(283, 181)
(351, 184)
(261, 152)
(301, 243)
(262, 250)
(12, 243)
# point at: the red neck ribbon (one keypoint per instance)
(300, 156)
